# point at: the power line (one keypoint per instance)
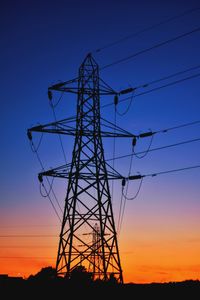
(146, 29)
(28, 225)
(38, 257)
(152, 133)
(128, 107)
(179, 126)
(171, 171)
(156, 149)
(154, 89)
(145, 85)
(27, 247)
(26, 257)
(128, 198)
(151, 48)
(122, 205)
(145, 152)
(136, 177)
(27, 235)
(35, 150)
(59, 136)
(48, 195)
(141, 177)
(170, 76)
(168, 84)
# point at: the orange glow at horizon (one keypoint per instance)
(144, 260)
(161, 261)
(145, 264)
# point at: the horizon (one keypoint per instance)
(62, 278)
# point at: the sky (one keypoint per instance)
(43, 42)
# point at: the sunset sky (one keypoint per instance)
(43, 42)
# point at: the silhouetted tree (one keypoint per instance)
(80, 276)
(46, 273)
(112, 280)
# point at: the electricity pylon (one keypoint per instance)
(96, 254)
(88, 206)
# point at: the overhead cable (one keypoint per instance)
(147, 29)
(156, 149)
(136, 177)
(178, 37)
(154, 89)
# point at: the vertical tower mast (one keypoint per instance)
(88, 200)
(88, 206)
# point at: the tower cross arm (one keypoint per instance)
(71, 86)
(65, 126)
(66, 172)
(68, 127)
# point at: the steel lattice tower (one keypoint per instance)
(88, 207)
(88, 199)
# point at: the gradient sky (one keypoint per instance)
(43, 42)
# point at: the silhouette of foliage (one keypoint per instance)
(44, 284)
(46, 273)
(80, 276)
(112, 280)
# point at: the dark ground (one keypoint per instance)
(62, 289)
